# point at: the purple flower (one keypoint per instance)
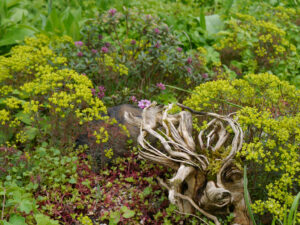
(189, 60)
(101, 88)
(79, 54)
(144, 103)
(101, 95)
(112, 12)
(156, 30)
(189, 70)
(94, 51)
(133, 99)
(78, 43)
(93, 91)
(133, 42)
(179, 49)
(100, 37)
(104, 49)
(161, 86)
(157, 45)
(107, 44)
(205, 75)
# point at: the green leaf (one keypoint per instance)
(293, 211)
(114, 218)
(246, 196)
(24, 117)
(44, 220)
(31, 132)
(26, 206)
(15, 35)
(127, 213)
(214, 24)
(17, 220)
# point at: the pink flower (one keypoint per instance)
(107, 44)
(156, 30)
(79, 54)
(133, 99)
(205, 75)
(179, 49)
(189, 70)
(78, 43)
(161, 86)
(112, 12)
(104, 49)
(94, 51)
(133, 42)
(100, 37)
(189, 60)
(93, 91)
(101, 88)
(144, 103)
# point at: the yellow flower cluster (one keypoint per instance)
(101, 136)
(261, 41)
(271, 113)
(118, 68)
(85, 220)
(35, 86)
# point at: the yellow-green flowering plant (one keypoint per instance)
(40, 98)
(269, 115)
(260, 37)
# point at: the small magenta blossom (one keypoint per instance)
(94, 51)
(78, 43)
(101, 88)
(93, 91)
(156, 30)
(79, 54)
(112, 12)
(144, 103)
(204, 75)
(179, 49)
(133, 42)
(189, 70)
(107, 44)
(104, 49)
(100, 37)
(189, 60)
(161, 86)
(133, 99)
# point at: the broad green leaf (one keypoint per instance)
(17, 220)
(44, 220)
(26, 206)
(214, 24)
(24, 117)
(15, 35)
(114, 218)
(31, 132)
(127, 213)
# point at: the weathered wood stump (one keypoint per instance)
(191, 188)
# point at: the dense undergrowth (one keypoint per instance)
(218, 56)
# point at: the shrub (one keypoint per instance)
(261, 40)
(129, 53)
(40, 99)
(268, 111)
